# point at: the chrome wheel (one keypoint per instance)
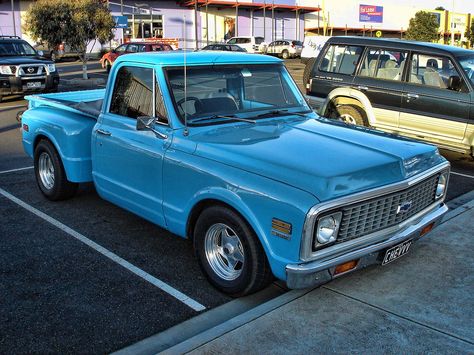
(46, 170)
(348, 119)
(224, 251)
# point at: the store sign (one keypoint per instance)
(120, 21)
(370, 13)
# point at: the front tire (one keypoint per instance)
(50, 175)
(230, 253)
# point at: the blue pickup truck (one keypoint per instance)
(223, 149)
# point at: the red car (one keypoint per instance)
(108, 58)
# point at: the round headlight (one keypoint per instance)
(441, 187)
(327, 228)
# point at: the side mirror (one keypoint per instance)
(148, 123)
(454, 83)
(40, 53)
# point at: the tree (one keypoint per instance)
(440, 8)
(77, 23)
(423, 27)
(470, 33)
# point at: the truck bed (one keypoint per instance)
(85, 102)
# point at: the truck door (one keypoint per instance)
(127, 164)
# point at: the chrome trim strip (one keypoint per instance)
(297, 273)
(306, 253)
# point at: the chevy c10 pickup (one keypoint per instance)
(223, 149)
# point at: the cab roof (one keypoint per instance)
(176, 58)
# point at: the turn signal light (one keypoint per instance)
(342, 268)
(426, 229)
(26, 128)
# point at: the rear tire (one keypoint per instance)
(349, 114)
(50, 175)
(285, 54)
(230, 253)
(308, 69)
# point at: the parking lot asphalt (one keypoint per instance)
(62, 295)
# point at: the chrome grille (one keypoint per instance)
(29, 70)
(381, 212)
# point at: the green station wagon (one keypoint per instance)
(416, 89)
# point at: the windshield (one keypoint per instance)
(241, 91)
(16, 49)
(467, 64)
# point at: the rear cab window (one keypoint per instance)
(341, 59)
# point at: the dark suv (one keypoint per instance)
(416, 89)
(22, 70)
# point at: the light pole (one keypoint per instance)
(13, 18)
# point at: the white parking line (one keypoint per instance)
(465, 175)
(137, 271)
(13, 170)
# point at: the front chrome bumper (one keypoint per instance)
(318, 272)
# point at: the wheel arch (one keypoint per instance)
(347, 96)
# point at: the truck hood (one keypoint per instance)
(325, 158)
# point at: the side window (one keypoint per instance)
(132, 48)
(341, 59)
(121, 49)
(142, 48)
(383, 64)
(232, 41)
(133, 92)
(433, 71)
(258, 40)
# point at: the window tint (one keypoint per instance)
(142, 48)
(243, 40)
(156, 48)
(258, 40)
(432, 71)
(297, 43)
(268, 87)
(341, 59)
(133, 92)
(167, 47)
(383, 64)
(232, 41)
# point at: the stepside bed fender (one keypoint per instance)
(69, 132)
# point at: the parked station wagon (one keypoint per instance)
(419, 90)
(222, 148)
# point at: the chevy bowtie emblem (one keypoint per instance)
(31, 70)
(404, 207)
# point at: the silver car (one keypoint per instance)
(285, 48)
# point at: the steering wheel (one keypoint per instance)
(186, 99)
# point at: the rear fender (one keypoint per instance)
(350, 96)
(70, 133)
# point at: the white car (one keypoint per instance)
(312, 45)
(285, 48)
(249, 43)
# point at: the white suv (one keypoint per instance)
(250, 43)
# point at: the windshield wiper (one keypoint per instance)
(283, 113)
(230, 117)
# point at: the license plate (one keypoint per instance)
(33, 84)
(397, 251)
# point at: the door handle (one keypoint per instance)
(363, 88)
(105, 133)
(412, 96)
